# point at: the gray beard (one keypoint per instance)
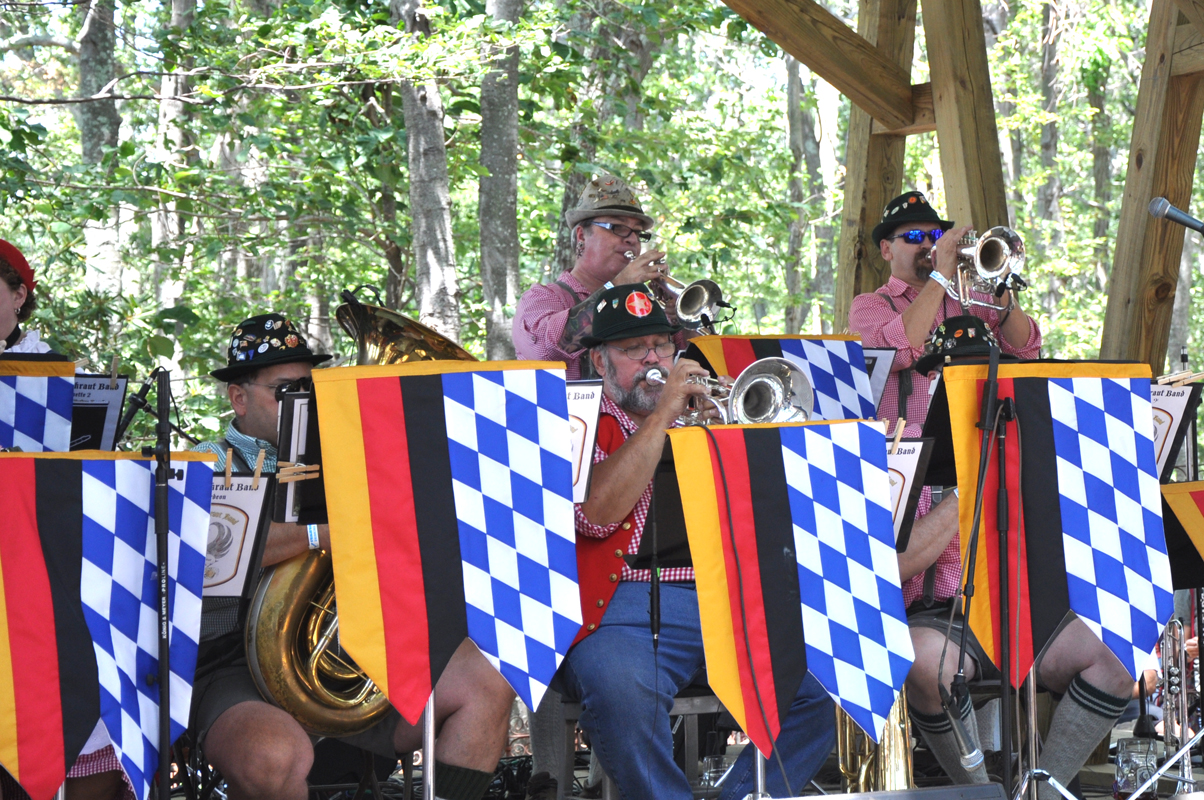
(636, 400)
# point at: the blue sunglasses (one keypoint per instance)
(917, 236)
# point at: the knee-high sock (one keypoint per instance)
(460, 783)
(937, 732)
(1084, 717)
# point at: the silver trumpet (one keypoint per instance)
(988, 264)
(1175, 717)
(769, 390)
(698, 303)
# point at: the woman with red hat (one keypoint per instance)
(17, 303)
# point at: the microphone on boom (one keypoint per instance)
(1161, 208)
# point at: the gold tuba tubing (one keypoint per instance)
(884, 767)
(292, 625)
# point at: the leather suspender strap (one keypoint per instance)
(905, 387)
(568, 290)
(929, 586)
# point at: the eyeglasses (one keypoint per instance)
(623, 231)
(917, 236)
(638, 352)
(299, 385)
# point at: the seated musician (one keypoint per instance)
(260, 750)
(612, 669)
(96, 774)
(1095, 686)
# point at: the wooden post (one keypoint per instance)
(874, 162)
(971, 162)
(1125, 319)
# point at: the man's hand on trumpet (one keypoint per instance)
(682, 392)
(641, 268)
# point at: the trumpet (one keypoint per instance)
(988, 264)
(1175, 717)
(768, 390)
(698, 303)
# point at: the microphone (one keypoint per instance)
(971, 756)
(137, 402)
(1161, 208)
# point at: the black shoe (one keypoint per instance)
(542, 786)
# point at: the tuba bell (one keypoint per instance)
(292, 625)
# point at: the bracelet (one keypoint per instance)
(312, 530)
(942, 280)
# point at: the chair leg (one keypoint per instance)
(568, 761)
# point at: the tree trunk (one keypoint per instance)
(430, 196)
(497, 205)
(1181, 310)
(828, 110)
(1096, 78)
(99, 125)
(167, 225)
(1049, 192)
(797, 305)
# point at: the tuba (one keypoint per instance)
(292, 626)
(884, 767)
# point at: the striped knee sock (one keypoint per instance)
(1084, 717)
(937, 732)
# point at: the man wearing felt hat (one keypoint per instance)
(612, 669)
(609, 229)
(260, 750)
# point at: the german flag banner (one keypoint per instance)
(835, 365)
(35, 403)
(449, 493)
(1086, 532)
(78, 602)
(1183, 516)
(793, 548)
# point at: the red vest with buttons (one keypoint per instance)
(600, 561)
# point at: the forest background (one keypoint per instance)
(172, 166)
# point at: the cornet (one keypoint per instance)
(698, 303)
(989, 264)
(768, 390)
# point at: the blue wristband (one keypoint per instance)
(312, 530)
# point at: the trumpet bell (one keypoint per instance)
(771, 390)
(702, 298)
(999, 252)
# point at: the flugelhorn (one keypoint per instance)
(988, 264)
(768, 390)
(698, 303)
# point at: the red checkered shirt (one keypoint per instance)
(586, 528)
(539, 323)
(880, 325)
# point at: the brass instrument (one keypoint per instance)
(698, 303)
(1175, 717)
(768, 390)
(882, 767)
(988, 264)
(292, 626)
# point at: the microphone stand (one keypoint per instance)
(163, 474)
(138, 403)
(959, 690)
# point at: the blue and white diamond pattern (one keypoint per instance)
(120, 595)
(854, 622)
(508, 434)
(35, 413)
(836, 369)
(1117, 570)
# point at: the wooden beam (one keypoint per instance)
(1194, 11)
(1189, 50)
(1122, 319)
(874, 164)
(971, 163)
(925, 116)
(836, 53)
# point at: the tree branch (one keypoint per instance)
(35, 40)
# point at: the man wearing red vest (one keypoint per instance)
(625, 687)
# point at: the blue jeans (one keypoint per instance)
(626, 693)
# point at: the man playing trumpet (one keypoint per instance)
(609, 231)
(621, 680)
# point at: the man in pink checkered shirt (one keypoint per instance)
(921, 250)
(609, 230)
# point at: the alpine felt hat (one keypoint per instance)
(907, 207)
(604, 196)
(265, 340)
(627, 311)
